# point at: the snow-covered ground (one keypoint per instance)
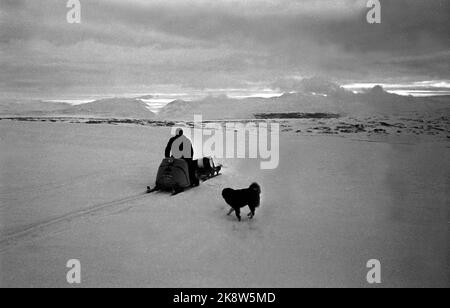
(74, 191)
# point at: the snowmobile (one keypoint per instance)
(173, 174)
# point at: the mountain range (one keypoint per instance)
(312, 95)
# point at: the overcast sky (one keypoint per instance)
(143, 44)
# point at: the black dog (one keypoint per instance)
(238, 199)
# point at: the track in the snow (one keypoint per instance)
(40, 228)
(44, 227)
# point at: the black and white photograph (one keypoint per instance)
(199, 146)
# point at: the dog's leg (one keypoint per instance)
(252, 213)
(231, 212)
(238, 214)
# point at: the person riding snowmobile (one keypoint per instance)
(180, 147)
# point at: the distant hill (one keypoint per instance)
(377, 100)
(20, 107)
(227, 108)
(312, 96)
(106, 108)
(115, 108)
(145, 97)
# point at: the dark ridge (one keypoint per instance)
(297, 115)
(92, 121)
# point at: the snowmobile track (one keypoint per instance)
(44, 227)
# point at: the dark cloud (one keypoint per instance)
(205, 43)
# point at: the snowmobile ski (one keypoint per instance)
(176, 192)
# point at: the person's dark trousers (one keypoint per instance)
(192, 172)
